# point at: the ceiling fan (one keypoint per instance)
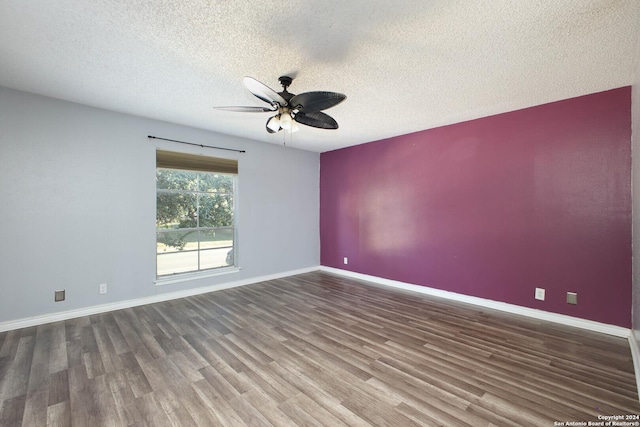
(305, 108)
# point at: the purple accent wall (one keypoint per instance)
(494, 207)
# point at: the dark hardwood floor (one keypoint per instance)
(314, 350)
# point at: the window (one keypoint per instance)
(195, 212)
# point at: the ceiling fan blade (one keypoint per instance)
(316, 101)
(316, 119)
(241, 109)
(263, 92)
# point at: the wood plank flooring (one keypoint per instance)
(311, 350)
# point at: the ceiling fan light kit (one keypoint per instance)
(291, 109)
(285, 119)
(273, 124)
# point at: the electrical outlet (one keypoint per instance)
(346, 260)
(59, 296)
(572, 298)
(103, 288)
(540, 294)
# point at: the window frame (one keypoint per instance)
(199, 272)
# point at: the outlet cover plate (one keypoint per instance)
(572, 298)
(103, 288)
(59, 296)
(540, 294)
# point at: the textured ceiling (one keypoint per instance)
(405, 65)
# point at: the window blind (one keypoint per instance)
(195, 162)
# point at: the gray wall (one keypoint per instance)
(77, 205)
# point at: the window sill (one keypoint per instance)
(185, 277)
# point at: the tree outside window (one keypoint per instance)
(194, 220)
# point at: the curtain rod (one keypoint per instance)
(197, 145)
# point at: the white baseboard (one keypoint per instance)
(495, 305)
(482, 302)
(103, 308)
